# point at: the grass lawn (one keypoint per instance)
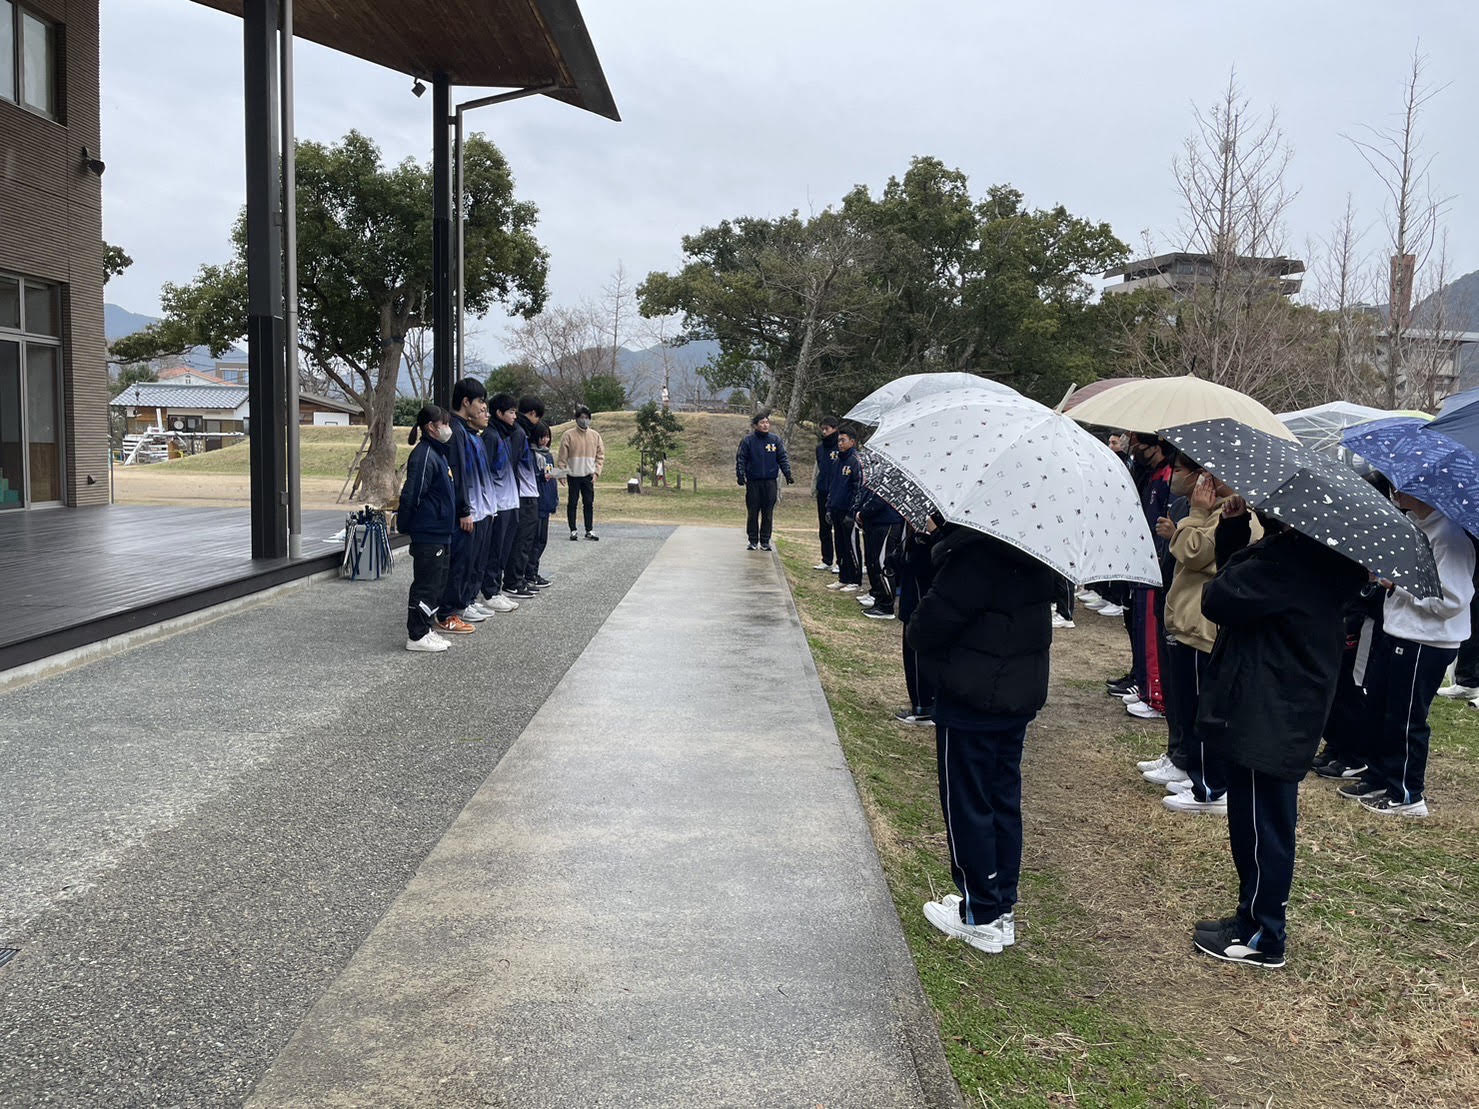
(1102, 1002)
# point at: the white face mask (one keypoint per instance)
(443, 433)
(582, 422)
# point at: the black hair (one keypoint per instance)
(582, 410)
(763, 414)
(532, 404)
(851, 431)
(831, 421)
(1380, 483)
(469, 388)
(542, 430)
(429, 414)
(502, 402)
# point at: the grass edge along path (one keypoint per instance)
(1030, 1027)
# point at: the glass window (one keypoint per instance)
(7, 50)
(38, 64)
(12, 441)
(41, 313)
(42, 420)
(10, 303)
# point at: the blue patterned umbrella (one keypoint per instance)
(1315, 496)
(1424, 463)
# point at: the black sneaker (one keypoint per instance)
(752, 546)
(1219, 925)
(1334, 768)
(878, 612)
(1127, 681)
(1119, 689)
(592, 536)
(1359, 788)
(520, 591)
(542, 582)
(574, 536)
(1228, 946)
(765, 547)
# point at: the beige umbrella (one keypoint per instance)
(1152, 404)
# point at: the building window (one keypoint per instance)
(29, 46)
(31, 446)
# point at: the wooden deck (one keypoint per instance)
(74, 576)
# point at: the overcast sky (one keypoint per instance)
(762, 106)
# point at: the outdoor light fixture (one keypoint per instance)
(94, 164)
(418, 88)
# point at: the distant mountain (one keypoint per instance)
(646, 369)
(118, 322)
(1460, 312)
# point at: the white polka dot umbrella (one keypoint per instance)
(1016, 470)
(913, 387)
(1316, 496)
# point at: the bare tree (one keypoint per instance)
(618, 302)
(1344, 289)
(1395, 154)
(1225, 313)
(1430, 358)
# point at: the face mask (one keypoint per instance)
(444, 433)
(582, 422)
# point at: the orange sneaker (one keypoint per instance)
(455, 625)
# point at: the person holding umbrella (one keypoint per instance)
(1278, 605)
(1026, 496)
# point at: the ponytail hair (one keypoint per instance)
(429, 414)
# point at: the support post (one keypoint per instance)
(458, 200)
(290, 298)
(441, 242)
(266, 394)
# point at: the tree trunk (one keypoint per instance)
(377, 470)
(803, 369)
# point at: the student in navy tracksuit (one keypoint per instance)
(1148, 604)
(882, 529)
(516, 573)
(474, 488)
(914, 574)
(427, 512)
(847, 479)
(826, 464)
(549, 501)
(760, 460)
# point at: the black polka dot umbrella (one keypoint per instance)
(1316, 496)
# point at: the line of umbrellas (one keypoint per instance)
(979, 454)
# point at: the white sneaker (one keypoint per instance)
(1059, 622)
(836, 568)
(851, 588)
(864, 599)
(1112, 610)
(1179, 787)
(427, 643)
(1089, 597)
(835, 585)
(1153, 764)
(1143, 711)
(946, 917)
(1185, 802)
(500, 603)
(1166, 776)
(828, 566)
(1459, 692)
(474, 613)
(1005, 926)
(439, 637)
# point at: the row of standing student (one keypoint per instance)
(479, 493)
(1324, 651)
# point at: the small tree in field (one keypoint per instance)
(657, 432)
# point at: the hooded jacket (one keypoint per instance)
(761, 457)
(471, 475)
(1279, 606)
(983, 631)
(1194, 547)
(427, 509)
(826, 464)
(1438, 622)
(549, 487)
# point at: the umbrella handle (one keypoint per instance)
(1064, 402)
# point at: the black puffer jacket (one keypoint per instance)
(984, 629)
(1279, 606)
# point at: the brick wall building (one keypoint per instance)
(53, 366)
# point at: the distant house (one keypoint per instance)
(166, 406)
(188, 375)
(321, 411)
(232, 371)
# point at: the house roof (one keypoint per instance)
(335, 403)
(1141, 267)
(181, 371)
(483, 43)
(161, 394)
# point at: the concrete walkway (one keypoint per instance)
(664, 894)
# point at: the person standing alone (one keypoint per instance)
(758, 463)
(582, 456)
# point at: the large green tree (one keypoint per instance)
(365, 275)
